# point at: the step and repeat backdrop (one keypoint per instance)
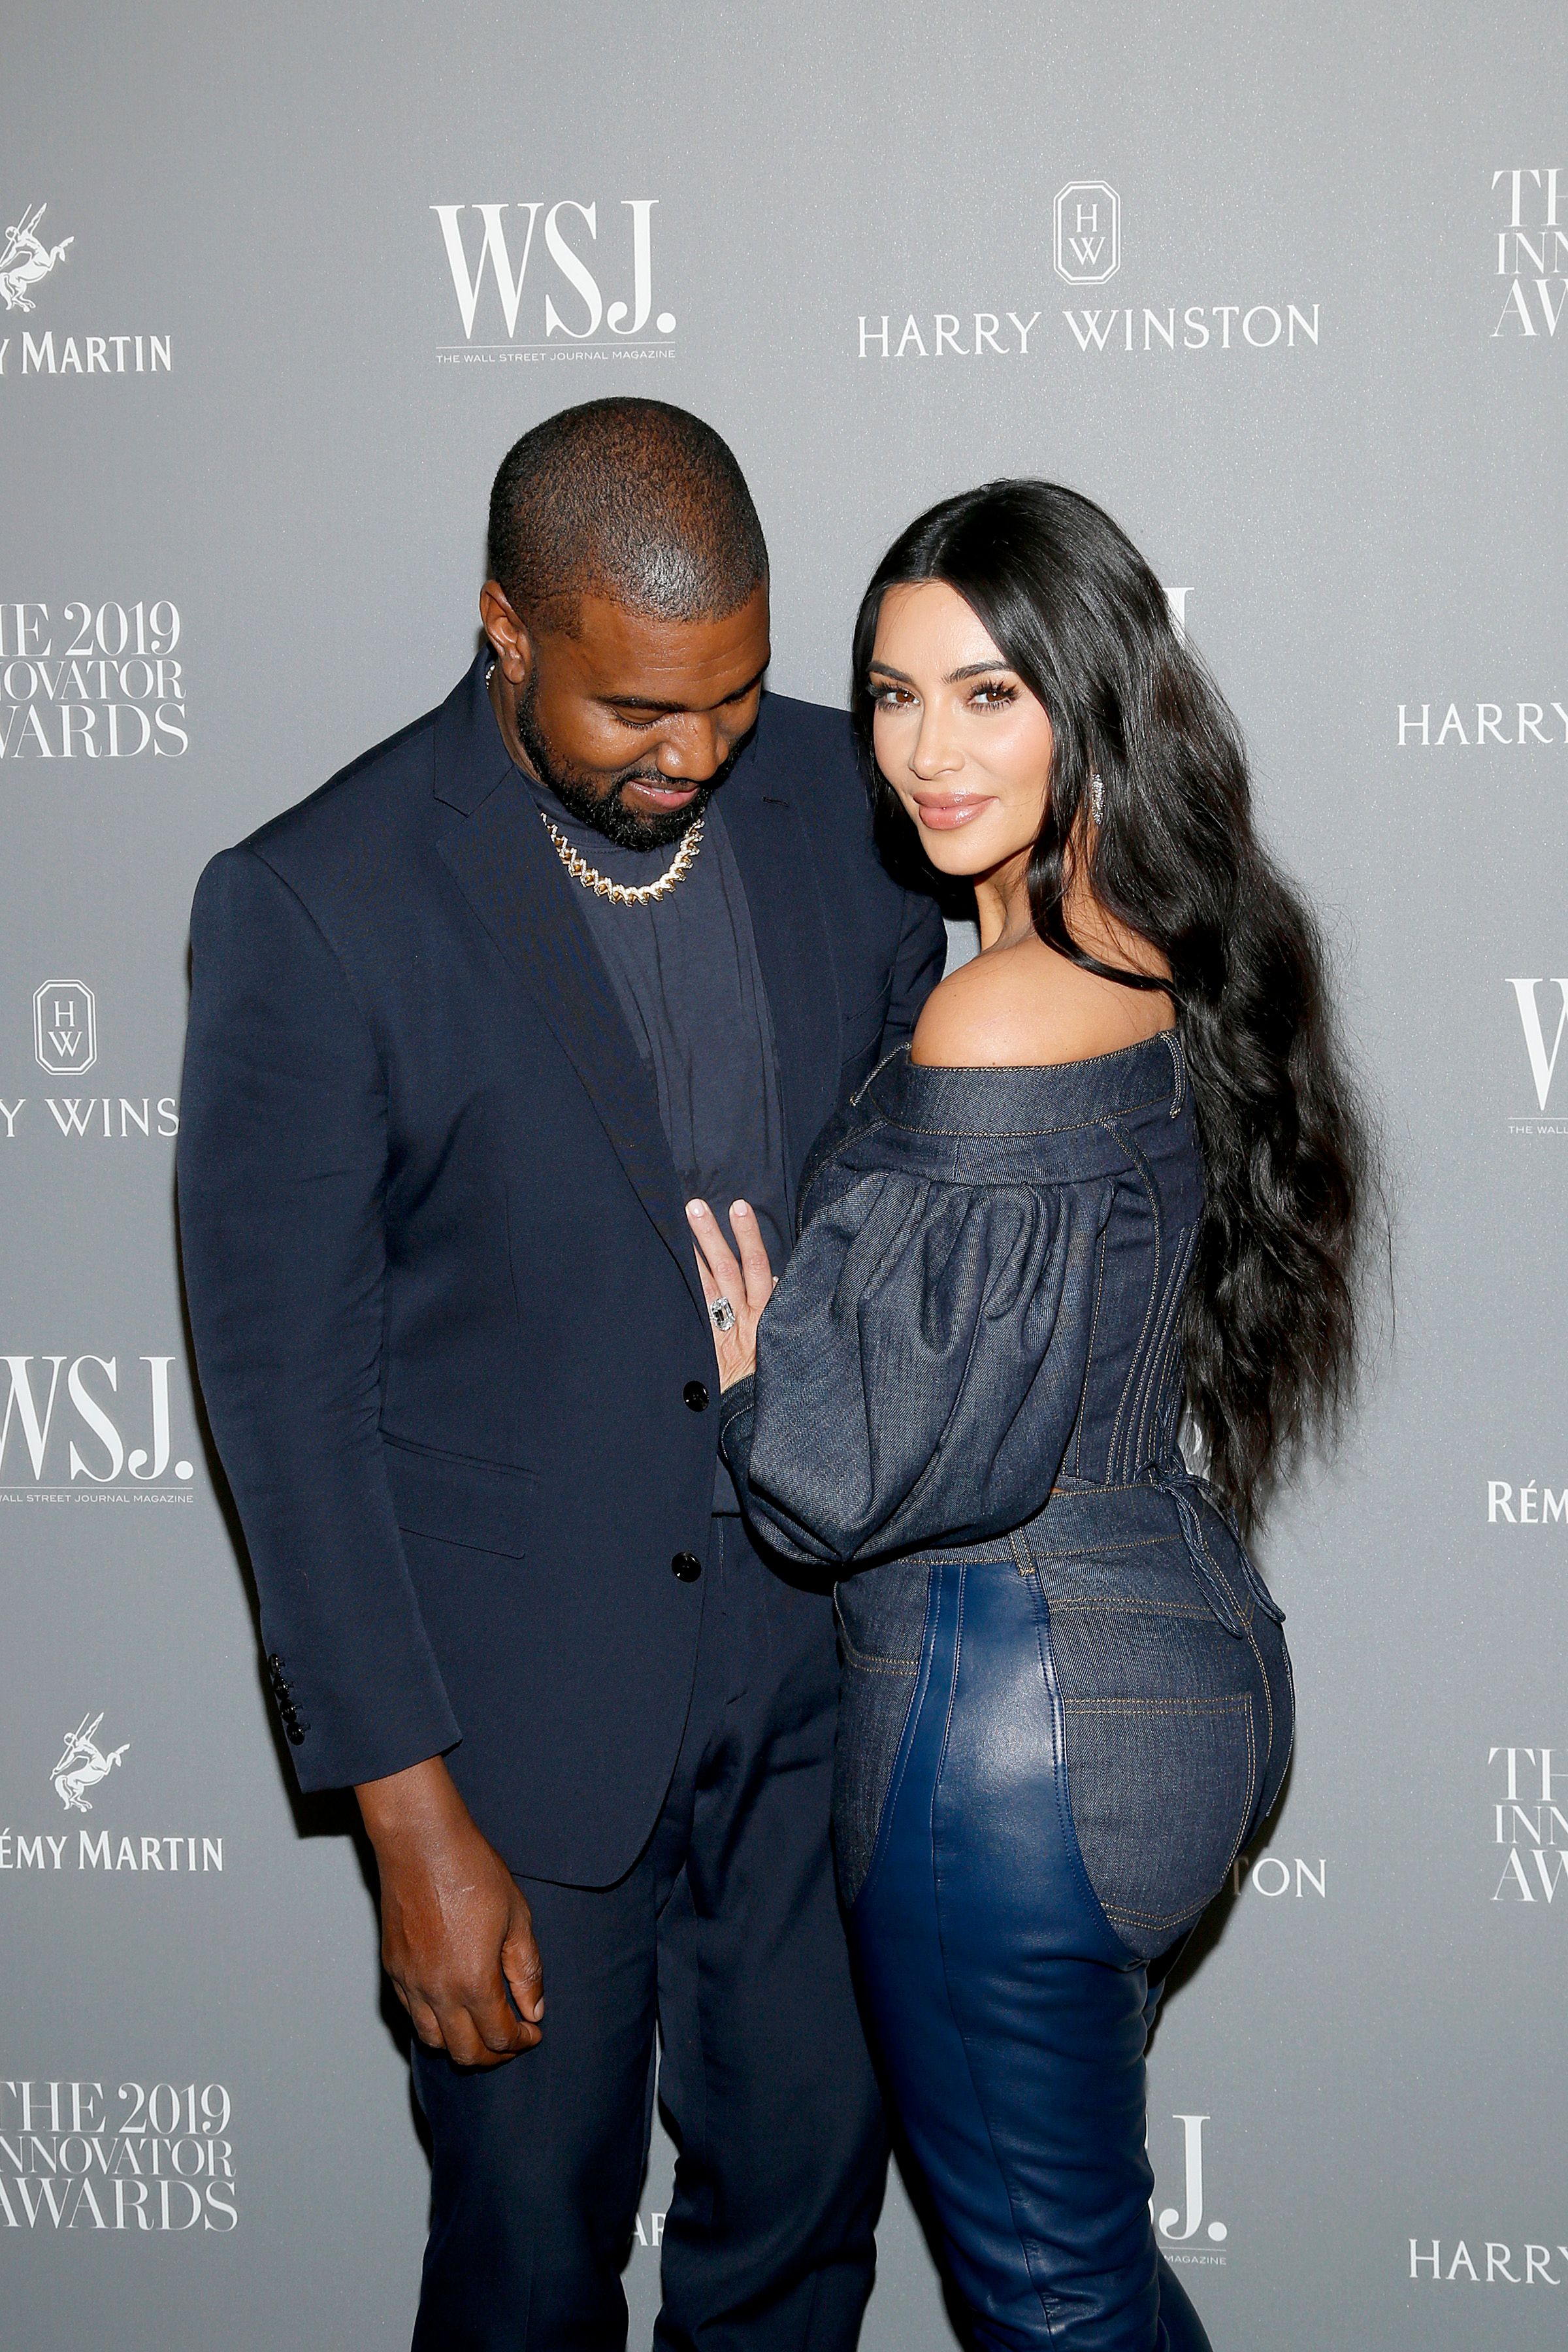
(1286, 291)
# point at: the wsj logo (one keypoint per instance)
(1532, 249)
(1530, 1822)
(575, 312)
(65, 1027)
(90, 1424)
(26, 262)
(1088, 226)
(1179, 2224)
(1543, 1057)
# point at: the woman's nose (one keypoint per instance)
(936, 753)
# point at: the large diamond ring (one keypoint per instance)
(723, 1315)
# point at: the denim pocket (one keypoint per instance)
(881, 1616)
(1164, 1725)
(1159, 1792)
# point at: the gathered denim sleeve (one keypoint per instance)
(918, 1367)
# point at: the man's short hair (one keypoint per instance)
(630, 499)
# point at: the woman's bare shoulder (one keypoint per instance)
(1016, 1006)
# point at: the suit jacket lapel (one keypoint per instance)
(773, 853)
(502, 862)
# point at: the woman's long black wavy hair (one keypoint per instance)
(1272, 1305)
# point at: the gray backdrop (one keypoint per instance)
(1294, 321)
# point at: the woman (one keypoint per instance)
(1113, 1189)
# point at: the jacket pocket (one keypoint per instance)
(453, 1498)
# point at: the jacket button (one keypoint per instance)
(296, 1735)
(696, 1396)
(687, 1567)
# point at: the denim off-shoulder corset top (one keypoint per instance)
(983, 1303)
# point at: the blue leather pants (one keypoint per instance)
(1098, 1715)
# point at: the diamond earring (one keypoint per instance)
(1097, 798)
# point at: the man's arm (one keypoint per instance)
(283, 1164)
(917, 967)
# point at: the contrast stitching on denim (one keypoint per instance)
(1018, 1134)
(1118, 1601)
(1123, 1543)
(1263, 1678)
(1230, 1706)
(1178, 1056)
(1093, 1330)
(1151, 1190)
(1154, 1366)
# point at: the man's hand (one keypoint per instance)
(456, 1936)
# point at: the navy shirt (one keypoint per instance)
(685, 971)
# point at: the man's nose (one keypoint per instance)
(692, 749)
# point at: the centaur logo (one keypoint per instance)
(503, 253)
(27, 260)
(1087, 232)
(83, 1764)
(1543, 1057)
(65, 1027)
(39, 1420)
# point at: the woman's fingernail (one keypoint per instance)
(738, 1208)
(697, 1208)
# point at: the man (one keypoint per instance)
(604, 932)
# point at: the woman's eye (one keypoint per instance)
(890, 697)
(993, 694)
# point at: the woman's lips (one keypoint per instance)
(945, 811)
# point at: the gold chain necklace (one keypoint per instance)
(621, 894)
(625, 894)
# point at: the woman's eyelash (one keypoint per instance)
(989, 693)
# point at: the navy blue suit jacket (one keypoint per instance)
(445, 1305)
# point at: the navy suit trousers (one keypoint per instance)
(726, 1936)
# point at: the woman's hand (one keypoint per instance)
(747, 1285)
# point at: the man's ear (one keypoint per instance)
(509, 640)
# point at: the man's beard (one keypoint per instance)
(583, 795)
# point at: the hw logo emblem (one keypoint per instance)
(65, 1027)
(1087, 232)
